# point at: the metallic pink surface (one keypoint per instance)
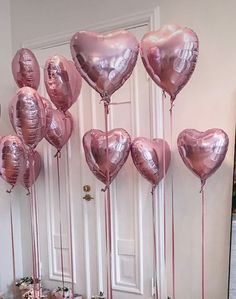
(27, 116)
(105, 61)
(203, 152)
(148, 157)
(25, 69)
(169, 56)
(29, 177)
(62, 81)
(60, 129)
(48, 111)
(94, 142)
(12, 156)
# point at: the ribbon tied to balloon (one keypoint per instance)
(169, 56)
(105, 61)
(152, 160)
(203, 152)
(148, 157)
(94, 143)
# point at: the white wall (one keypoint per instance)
(32, 19)
(207, 101)
(6, 92)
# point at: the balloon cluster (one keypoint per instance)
(26, 113)
(106, 62)
(33, 117)
(169, 56)
(63, 84)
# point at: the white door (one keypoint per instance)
(131, 199)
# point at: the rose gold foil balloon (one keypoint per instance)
(32, 169)
(105, 61)
(148, 158)
(25, 69)
(12, 155)
(48, 111)
(169, 56)
(94, 142)
(27, 114)
(60, 129)
(62, 81)
(76, 78)
(203, 152)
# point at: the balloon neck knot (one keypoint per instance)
(9, 191)
(153, 189)
(28, 192)
(58, 154)
(203, 182)
(172, 104)
(164, 94)
(105, 189)
(106, 99)
(31, 148)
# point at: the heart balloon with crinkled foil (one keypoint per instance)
(95, 148)
(28, 116)
(151, 158)
(203, 152)
(60, 129)
(33, 166)
(105, 61)
(169, 56)
(12, 158)
(25, 69)
(62, 81)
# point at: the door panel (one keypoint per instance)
(131, 204)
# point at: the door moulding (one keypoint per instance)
(149, 17)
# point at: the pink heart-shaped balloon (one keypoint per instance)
(12, 157)
(28, 116)
(62, 81)
(148, 157)
(25, 69)
(32, 160)
(105, 61)
(169, 56)
(60, 129)
(203, 152)
(48, 111)
(94, 142)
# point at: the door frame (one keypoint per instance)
(151, 18)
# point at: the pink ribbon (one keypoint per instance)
(60, 221)
(154, 245)
(71, 236)
(32, 225)
(108, 211)
(203, 243)
(13, 249)
(172, 205)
